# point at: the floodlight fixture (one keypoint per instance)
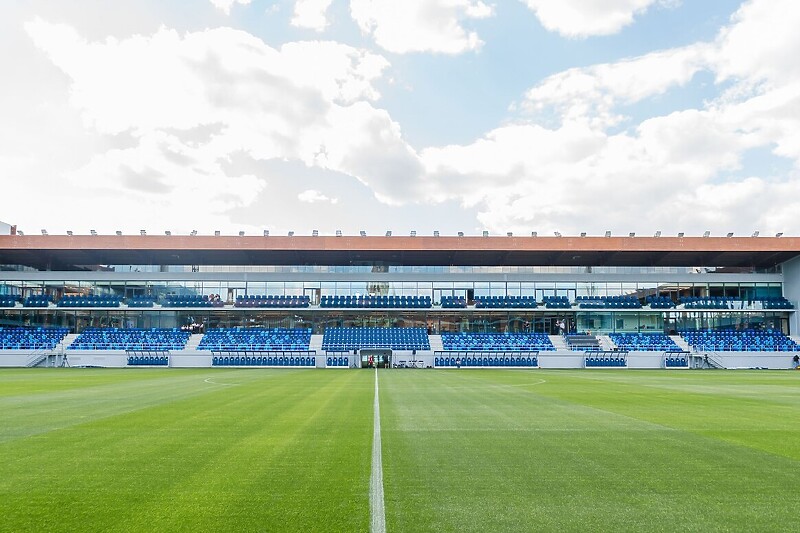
(608, 233)
(485, 233)
(168, 233)
(315, 233)
(142, 232)
(632, 234)
(557, 233)
(460, 233)
(216, 233)
(291, 234)
(362, 233)
(509, 234)
(534, 234)
(193, 233)
(388, 233)
(413, 233)
(44, 232)
(680, 235)
(119, 233)
(755, 233)
(779, 234)
(266, 233)
(241, 234)
(20, 233)
(436, 233)
(338, 233)
(93, 232)
(69, 232)
(706, 234)
(583, 234)
(730, 234)
(658, 234)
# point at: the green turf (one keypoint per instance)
(468, 450)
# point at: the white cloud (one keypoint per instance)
(226, 5)
(313, 196)
(311, 14)
(583, 18)
(420, 25)
(673, 172)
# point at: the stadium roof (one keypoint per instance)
(55, 252)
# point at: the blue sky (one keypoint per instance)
(449, 115)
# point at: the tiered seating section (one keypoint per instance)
(263, 360)
(339, 361)
(556, 302)
(387, 302)
(141, 301)
(483, 360)
(89, 301)
(131, 339)
(454, 302)
(346, 339)
(496, 342)
(503, 302)
(192, 300)
(644, 342)
(272, 301)
(660, 302)
(31, 338)
(707, 302)
(740, 341)
(255, 340)
(7, 300)
(37, 301)
(777, 303)
(608, 302)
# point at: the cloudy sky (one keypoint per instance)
(454, 115)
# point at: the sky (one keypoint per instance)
(514, 116)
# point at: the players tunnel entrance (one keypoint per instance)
(376, 357)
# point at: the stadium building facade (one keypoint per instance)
(593, 286)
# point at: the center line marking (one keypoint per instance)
(376, 509)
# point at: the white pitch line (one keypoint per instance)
(376, 508)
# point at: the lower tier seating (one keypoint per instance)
(131, 339)
(486, 360)
(148, 360)
(346, 339)
(676, 361)
(643, 342)
(739, 341)
(255, 339)
(496, 342)
(24, 338)
(605, 360)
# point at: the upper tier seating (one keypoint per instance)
(395, 302)
(556, 302)
(776, 302)
(39, 300)
(272, 301)
(608, 302)
(141, 301)
(644, 342)
(707, 302)
(255, 339)
(195, 300)
(19, 338)
(740, 341)
(345, 339)
(89, 301)
(578, 341)
(503, 302)
(660, 302)
(496, 342)
(131, 339)
(454, 302)
(7, 300)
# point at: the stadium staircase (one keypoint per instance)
(436, 343)
(559, 343)
(606, 344)
(315, 344)
(681, 342)
(193, 343)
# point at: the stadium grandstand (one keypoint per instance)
(424, 301)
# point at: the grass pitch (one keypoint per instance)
(468, 450)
